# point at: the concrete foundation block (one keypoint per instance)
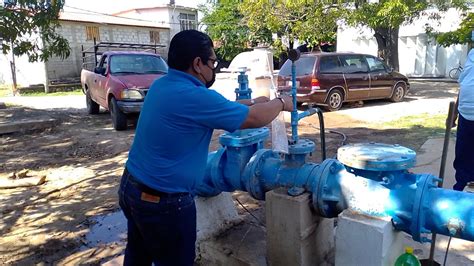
(215, 215)
(364, 240)
(295, 234)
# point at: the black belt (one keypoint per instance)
(144, 188)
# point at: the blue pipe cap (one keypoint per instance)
(377, 156)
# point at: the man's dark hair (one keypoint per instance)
(187, 45)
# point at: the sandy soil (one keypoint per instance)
(82, 159)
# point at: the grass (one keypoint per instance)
(5, 91)
(419, 127)
(59, 93)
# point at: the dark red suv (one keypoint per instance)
(330, 79)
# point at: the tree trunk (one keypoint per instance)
(387, 41)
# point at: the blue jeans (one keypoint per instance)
(160, 230)
(464, 153)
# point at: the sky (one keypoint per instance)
(113, 6)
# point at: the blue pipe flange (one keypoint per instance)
(303, 146)
(216, 171)
(252, 177)
(245, 137)
(327, 195)
(419, 207)
(377, 156)
(208, 187)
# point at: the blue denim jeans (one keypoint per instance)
(464, 153)
(161, 232)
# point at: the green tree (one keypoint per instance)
(461, 35)
(386, 17)
(225, 26)
(308, 21)
(24, 22)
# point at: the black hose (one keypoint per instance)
(322, 133)
(447, 249)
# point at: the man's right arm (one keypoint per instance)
(263, 114)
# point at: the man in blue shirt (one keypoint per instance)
(464, 151)
(169, 153)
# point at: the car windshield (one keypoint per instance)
(304, 66)
(137, 64)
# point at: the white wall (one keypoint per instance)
(419, 56)
(26, 73)
(70, 68)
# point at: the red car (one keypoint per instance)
(120, 82)
(330, 79)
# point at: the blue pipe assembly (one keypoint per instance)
(370, 178)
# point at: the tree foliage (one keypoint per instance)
(308, 21)
(225, 25)
(462, 35)
(386, 16)
(238, 24)
(30, 26)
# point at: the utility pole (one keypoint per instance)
(13, 68)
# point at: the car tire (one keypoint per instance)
(334, 100)
(119, 119)
(92, 107)
(398, 93)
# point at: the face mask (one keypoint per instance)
(210, 82)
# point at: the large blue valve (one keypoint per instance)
(370, 178)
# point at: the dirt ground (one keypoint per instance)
(82, 158)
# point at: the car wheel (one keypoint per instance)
(119, 119)
(92, 107)
(398, 93)
(334, 100)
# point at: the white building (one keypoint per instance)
(154, 25)
(176, 18)
(419, 56)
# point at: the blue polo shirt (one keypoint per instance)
(170, 148)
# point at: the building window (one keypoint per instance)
(187, 21)
(92, 32)
(154, 37)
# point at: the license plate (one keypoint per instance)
(290, 83)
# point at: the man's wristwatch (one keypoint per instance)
(252, 101)
(282, 101)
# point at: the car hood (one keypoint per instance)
(399, 75)
(137, 81)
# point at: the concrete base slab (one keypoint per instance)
(295, 234)
(364, 240)
(21, 126)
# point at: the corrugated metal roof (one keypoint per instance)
(96, 17)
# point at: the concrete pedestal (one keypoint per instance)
(215, 215)
(363, 240)
(295, 235)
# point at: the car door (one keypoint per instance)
(100, 81)
(356, 73)
(381, 81)
(330, 73)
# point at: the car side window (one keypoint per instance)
(375, 65)
(330, 65)
(354, 64)
(104, 63)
